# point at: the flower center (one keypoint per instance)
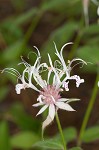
(51, 94)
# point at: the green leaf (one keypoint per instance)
(89, 54)
(53, 4)
(70, 134)
(76, 148)
(23, 120)
(25, 17)
(23, 140)
(91, 134)
(93, 41)
(57, 5)
(19, 5)
(90, 33)
(55, 143)
(91, 30)
(11, 34)
(18, 20)
(10, 28)
(49, 144)
(4, 136)
(3, 92)
(13, 52)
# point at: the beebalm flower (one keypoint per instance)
(49, 93)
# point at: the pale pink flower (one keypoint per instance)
(49, 93)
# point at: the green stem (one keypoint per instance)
(61, 131)
(32, 27)
(88, 111)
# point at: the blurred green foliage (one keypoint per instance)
(91, 134)
(4, 136)
(65, 23)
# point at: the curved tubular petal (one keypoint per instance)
(50, 61)
(30, 85)
(64, 64)
(42, 83)
(60, 56)
(76, 59)
(57, 53)
(41, 66)
(61, 52)
(23, 75)
(54, 80)
(30, 81)
(34, 88)
(37, 60)
(64, 80)
(12, 74)
(14, 71)
(32, 53)
(24, 62)
(57, 63)
(37, 50)
(49, 74)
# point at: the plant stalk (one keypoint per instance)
(61, 131)
(88, 111)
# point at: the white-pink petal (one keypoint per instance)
(65, 85)
(52, 111)
(42, 109)
(19, 87)
(50, 117)
(63, 99)
(64, 106)
(37, 104)
(46, 123)
(78, 80)
(40, 98)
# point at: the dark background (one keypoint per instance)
(26, 23)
